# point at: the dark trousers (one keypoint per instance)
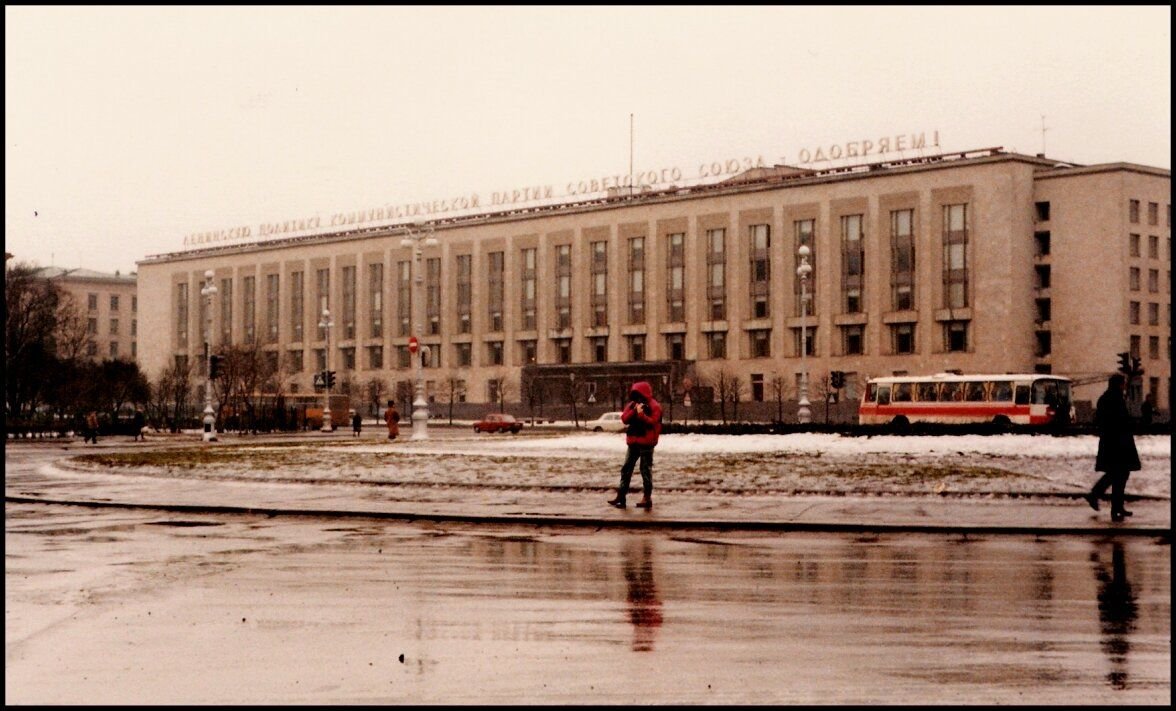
(1117, 481)
(637, 452)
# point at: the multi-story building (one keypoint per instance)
(980, 262)
(108, 305)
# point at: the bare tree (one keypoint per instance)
(71, 335)
(779, 387)
(724, 382)
(505, 387)
(30, 322)
(375, 388)
(453, 390)
(734, 395)
(171, 399)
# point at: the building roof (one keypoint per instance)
(86, 275)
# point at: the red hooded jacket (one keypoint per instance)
(643, 427)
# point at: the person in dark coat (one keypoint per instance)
(139, 423)
(643, 422)
(1117, 456)
(356, 423)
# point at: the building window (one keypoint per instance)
(114, 349)
(134, 350)
(852, 339)
(249, 305)
(761, 343)
(225, 296)
(271, 308)
(1133, 211)
(92, 349)
(1133, 241)
(114, 302)
(600, 350)
(1153, 246)
(348, 358)
(805, 339)
(757, 387)
(322, 297)
(676, 346)
(716, 343)
(404, 297)
(297, 317)
(563, 350)
(637, 280)
(1153, 213)
(716, 273)
(1133, 312)
(92, 301)
(463, 354)
(1042, 209)
(375, 357)
(1153, 281)
(528, 351)
(1153, 314)
(1042, 240)
(805, 231)
(1133, 278)
(403, 357)
(433, 294)
(496, 298)
(637, 348)
(1135, 340)
(563, 285)
(529, 289)
(181, 314)
(599, 297)
(853, 263)
(902, 260)
(1044, 344)
(956, 336)
(1153, 347)
(431, 356)
(465, 273)
(114, 327)
(134, 327)
(134, 304)
(376, 301)
(320, 359)
(494, 352)
(760, 273)
(676, 277)
(902, 338)
(955, 261)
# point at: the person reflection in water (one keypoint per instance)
(644, 604)
(1117, 612)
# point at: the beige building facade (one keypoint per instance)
(109, 306)
(980, 262)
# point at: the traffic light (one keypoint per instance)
(330, 378)
(1124, 362)
(1136, 367)
(837, 379)
(214, 366)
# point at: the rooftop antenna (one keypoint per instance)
(630, 154)
(1043, 130)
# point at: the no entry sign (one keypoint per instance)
(413, 344)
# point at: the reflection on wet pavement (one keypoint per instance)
(118, 607)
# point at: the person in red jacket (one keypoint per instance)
(643, 421)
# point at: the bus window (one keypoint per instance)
(1022, 394)
(927, 391)
(902, 392)
(949, 392)
(974, 391)
(1002, 391)
(883, 394)
(1045, 392)
(871, 392)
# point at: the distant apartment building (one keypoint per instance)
(979, 262)
(108, 305)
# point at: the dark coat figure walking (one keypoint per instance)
(1117, 456)
(643, 419)
(91, 427)
(392, 418)
(139, 423)
(356, 423)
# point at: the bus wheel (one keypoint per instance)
(1002, 423)
(900, 424)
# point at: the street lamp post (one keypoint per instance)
(803, 414)
(326, 323)
(420, 406)
(208, 291)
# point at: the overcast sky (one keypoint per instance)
(127, 129)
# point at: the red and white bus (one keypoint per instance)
(946, 398)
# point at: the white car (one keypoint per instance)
(608, 422)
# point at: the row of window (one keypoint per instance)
(1153, 313)
(113, 351)
(1153, 213)
(92, 302)
(1134, 241)
(1153, 347)
(1153, 280)
(92, 327)
(852, 278)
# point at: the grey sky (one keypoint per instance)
(128, 128)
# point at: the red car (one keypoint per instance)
(498, 422)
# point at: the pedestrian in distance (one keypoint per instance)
(356, 423)
(1147, 411)
(643, 422)
(91, 427)
(139, 423)
(392, 419)
(1117, 456)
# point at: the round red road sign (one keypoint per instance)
(413, 344)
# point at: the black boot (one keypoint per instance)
(1092, 499)
(618, 501)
